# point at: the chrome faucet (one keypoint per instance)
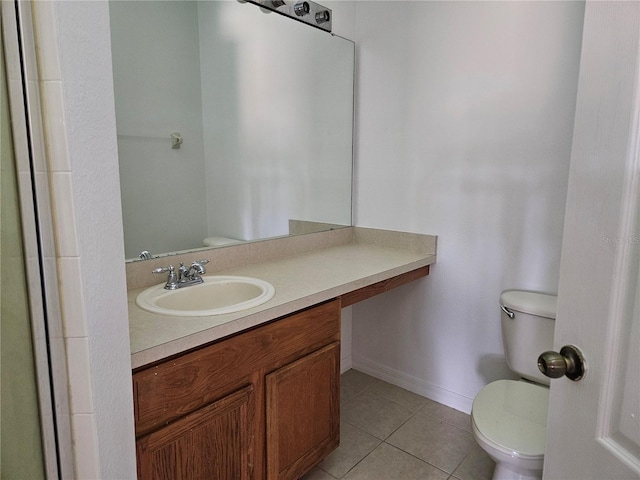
(185, 276)
(145, 255)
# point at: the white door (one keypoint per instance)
(594, 424)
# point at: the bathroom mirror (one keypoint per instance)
(231, 124)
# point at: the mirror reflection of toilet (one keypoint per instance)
(509, 417)
(219, 241)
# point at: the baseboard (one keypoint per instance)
(346, 363)
(413, 384)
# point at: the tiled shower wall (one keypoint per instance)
(77, 101)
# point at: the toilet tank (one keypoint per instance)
(529, 332)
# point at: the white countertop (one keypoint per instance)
(300, 281)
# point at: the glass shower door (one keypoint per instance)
(21, 453)
(35, 433)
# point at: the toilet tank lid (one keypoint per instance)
(533, 303)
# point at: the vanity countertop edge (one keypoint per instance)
(349, 260)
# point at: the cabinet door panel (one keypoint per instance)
(214, 442)
(303, 413)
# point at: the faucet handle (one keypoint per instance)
(199, 264)
(197, 267)
(172, 278)
(169, 269)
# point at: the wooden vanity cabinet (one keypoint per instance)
(263, 404)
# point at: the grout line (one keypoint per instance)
(419, 411)
(444, 420)
(322, 469)
(362, 459)
(419, 459)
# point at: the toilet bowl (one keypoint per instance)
(509, 417)
(509, 422)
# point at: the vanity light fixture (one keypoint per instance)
(304, 11)
(301, 9)
(323, 17)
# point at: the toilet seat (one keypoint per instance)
(511, 416)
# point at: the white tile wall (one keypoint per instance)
(79, 375)
(74, 337)
(54, 124)
(71, 296)
(63, 212)
(45, 31)
(85, 446)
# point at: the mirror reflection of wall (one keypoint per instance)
(264, 106)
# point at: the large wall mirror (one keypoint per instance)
(231, 123)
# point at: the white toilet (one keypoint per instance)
(219, 241)
(509, 417)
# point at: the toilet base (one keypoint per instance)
(503, 472)
(507, 467)
(510, 464)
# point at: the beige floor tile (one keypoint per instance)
(374, 414)
(411, 400)
(389, 463)
(477, 465)
(317, 474)
(353, 382)
(434, 441)
(354, 446)
(448, 414)
(438, 435)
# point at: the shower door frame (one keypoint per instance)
(23, 84)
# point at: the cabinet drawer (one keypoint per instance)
(174, 388)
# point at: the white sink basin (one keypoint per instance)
(216, 296)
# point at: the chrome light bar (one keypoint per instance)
(304, 11)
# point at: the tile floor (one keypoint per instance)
(388, 433)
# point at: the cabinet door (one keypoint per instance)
(303, 413)
(215, 442)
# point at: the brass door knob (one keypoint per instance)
(569, 362)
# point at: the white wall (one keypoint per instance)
(464, 122)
